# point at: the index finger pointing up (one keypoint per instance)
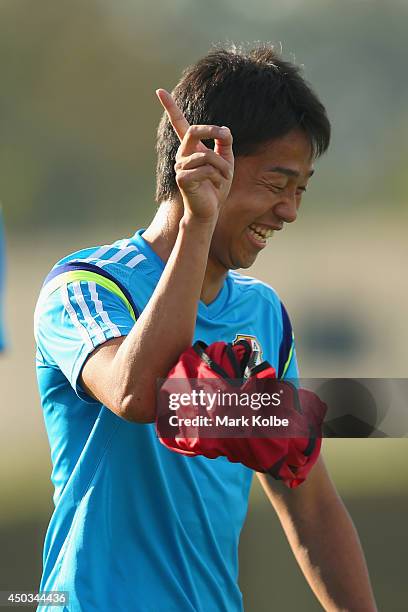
(175, 115)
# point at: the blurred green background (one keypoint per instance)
(78, 117)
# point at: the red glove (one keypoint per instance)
(287, 455)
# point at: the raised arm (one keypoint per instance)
(123, 372)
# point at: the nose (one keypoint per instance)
(287, 208)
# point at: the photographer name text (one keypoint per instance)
(225, 421)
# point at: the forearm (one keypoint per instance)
(324, 540)
(329, 553)
(166, 326)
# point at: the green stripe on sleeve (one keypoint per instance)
(84, 275)
(285, 369)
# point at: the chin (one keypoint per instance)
(243, 263)
(246, 265)
(236, 261)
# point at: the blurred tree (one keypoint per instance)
(78, 111)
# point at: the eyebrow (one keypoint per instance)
(287, 171)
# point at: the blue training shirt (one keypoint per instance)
(136, 527)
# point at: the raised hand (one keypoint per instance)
(203, 176)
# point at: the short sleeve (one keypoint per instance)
(288, 366)
(74, 320)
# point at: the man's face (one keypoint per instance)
(266, 193)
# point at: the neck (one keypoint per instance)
(161, 235)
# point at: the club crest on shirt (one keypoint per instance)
(255, 345)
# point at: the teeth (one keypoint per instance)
(256, 235)
(261, 231)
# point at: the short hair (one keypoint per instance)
(255, 93)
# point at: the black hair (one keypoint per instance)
(255, 93)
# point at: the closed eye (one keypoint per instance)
(278, 189)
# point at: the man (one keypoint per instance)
(137, 527)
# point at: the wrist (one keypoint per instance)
(203, 225)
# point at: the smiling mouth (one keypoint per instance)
(259, 233)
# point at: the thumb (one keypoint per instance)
(223, 145)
